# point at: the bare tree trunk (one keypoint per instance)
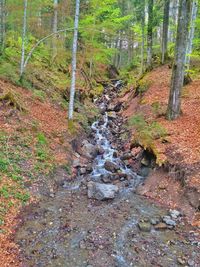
(150, 34)
(174, 104)
(55, 27)
(2, 25)
(74, 59)
(143, 41)
(165, 31)
(23, 37)
(191, 34)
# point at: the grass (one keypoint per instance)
(22, 157)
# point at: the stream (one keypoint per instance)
(67, 228)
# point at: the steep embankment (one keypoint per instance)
(34, 140)
(175, 144)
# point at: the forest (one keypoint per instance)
(99, 133)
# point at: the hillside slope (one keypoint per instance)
(177, 149)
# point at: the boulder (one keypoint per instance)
(144, 226)
(102, 191)
(111, 166)
(112, 115)
(89, 150)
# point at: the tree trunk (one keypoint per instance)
(165, 31)
(150, 34)
(2, 25)
(191, 34)
(23, 37)
(174, 104)
(143, 40)
(55, 27)
(74, 55)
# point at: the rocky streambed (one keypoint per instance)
(96, 219)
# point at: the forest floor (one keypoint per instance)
(177, 183)
(39, 147)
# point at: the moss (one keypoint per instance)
(13, 99)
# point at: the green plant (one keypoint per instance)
(39, 94)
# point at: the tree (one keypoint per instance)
(174, 104)
(150, 34)
(2, 24)
(165, 31)
(74, 56)
(191, 34)
(55, 27)
(23, 37)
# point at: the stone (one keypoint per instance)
(111, 166)
(89, 150)
(144, 226)
(181, 261)
(191, 262)
(102, 191)
(112, 115)
(160, 226)
(83, 170)
(126, 156)
(154, 221)
(174, 214)
(169, 221)
(145, 162)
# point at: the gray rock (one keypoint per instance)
(111, 166)
(89, 150)
(169, 221)
(102, 191)
(83, 170)
(112, 115)
(174, 214)
(154, 221)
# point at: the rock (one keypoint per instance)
(145, 162)
(144, 171)
(191, 263)
(112, 115)
(76, 163)
(136, 151)
(144, 226)
(174, 214)
(181, 261)
(154, 221)
(89, 150)
(160, 226)
(111, 166)
(83, 170)
(168, 221)
(126, 156)
(102, 191)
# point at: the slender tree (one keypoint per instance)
(55, 27)
(165, 31)
(74, 59)
(2, 25)
(191, 34)
(143, 37)
(150, 34)
(23, 38)
(174, 104)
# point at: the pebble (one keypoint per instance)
(181, 261)
(161, 226)
(169, 221)
(191, 262)
(144, 226)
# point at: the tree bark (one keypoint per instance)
(174, 104)
(2, 25)
(74, 59)
(55, 27)
(165, 31)
(143, 40)
(191, 34)
(150, 34)
(23, 37)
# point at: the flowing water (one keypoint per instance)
(67, 229)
